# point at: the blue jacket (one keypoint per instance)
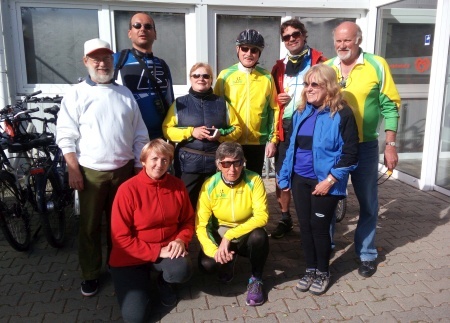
(335, 147)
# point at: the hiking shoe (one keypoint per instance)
(283, 227)
(306, 281)
(226, 271)
(89, 287)
(320, 284)
(255, 292)
(166, 293)
(367, 268)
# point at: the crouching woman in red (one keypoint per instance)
(152, 224)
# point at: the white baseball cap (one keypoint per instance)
(95, 44)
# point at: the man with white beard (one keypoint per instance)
(101, 134)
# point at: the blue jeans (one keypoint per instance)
(364, 179)
(365, 184)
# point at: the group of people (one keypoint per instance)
(161, 169)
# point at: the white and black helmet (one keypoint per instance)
(250, 37)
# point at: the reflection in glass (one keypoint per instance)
(229, 27)
(320, 33)
(171, 42)
(410, 136)
(405, 39)
(53, 41)
(443, 166)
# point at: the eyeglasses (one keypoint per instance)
(314, 85)
(344, 82)
(384, 177)
(97, 60)
(295, 34)
(235, 163)
(205, 76)
(252, 50)
(138, 25)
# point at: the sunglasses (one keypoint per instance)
(314, 85)
(138, 25)
(235, 163)
(205, 76)
(252, 50)
(295, 34)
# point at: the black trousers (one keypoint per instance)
(255, 155)
(254, 245)
(314, 214)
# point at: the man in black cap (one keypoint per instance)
(251, 91)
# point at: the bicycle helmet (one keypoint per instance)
(250, 37)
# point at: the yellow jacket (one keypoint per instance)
(242, 208)
(253, 95)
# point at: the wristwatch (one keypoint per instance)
(330, 180)
(391, 143)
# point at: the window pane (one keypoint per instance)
(171, 42)
(53, 40)
(320, 33)
(443, 167)
(410, 136)
(229, 27)
(406, 39)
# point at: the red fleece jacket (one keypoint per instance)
(147, 214)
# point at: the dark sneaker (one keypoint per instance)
(89, 287)
(226, 271)
(306, 281)
(283, 227)
(367, 268)
(255, 292)
(320, 284)
(166, 293)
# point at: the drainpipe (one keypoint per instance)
(4, 93)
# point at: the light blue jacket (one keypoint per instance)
(334, 148)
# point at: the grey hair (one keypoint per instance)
(229, 149)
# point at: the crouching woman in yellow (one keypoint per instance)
(231, 215)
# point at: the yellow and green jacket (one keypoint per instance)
(371, 93)
(253, 95)
(242, 208)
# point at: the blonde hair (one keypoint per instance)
(206, 66)
(326, 77)
(159, 146)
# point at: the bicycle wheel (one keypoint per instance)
(341, 209)
(14, 219)
(52, 208)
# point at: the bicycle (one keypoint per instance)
(42, 185)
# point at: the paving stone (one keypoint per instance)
(418, 287)
(386, 292)
(437, 299)
(204, 315)
(179, 317)
(385, 305)
(414, 301)
(439, 313)
(438, 286)
(353, 311)
(326, 314)
(51, 307)
(299, 316)
(32, 297)
(413, 315)
(235, 312)
(272, 307)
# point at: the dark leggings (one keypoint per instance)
(255, 155)
(314, 214)
(254, 245)
(132, 284)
